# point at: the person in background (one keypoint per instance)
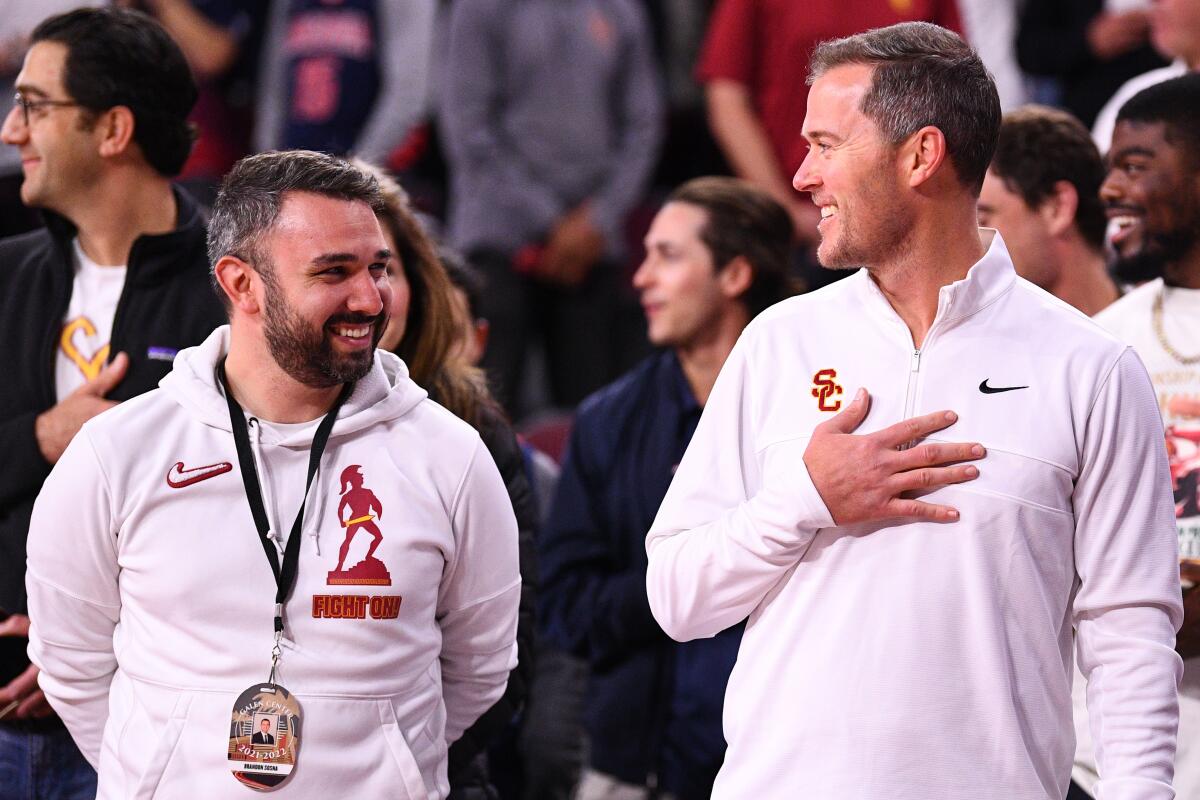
(350, 77)
(1152, 193)
(551, 118)
(752, 56)
(425, 328)
(94, 306)
(716, 255)
(1175, 32)
(1042, 193)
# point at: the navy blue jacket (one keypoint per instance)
(653, 705)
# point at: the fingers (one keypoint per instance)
(20, 687)
(915, 509)
(850, 417)
(35, 706)
(933, 454)
(112, 374)
(933, 477)
(915, 428)
(16, 625)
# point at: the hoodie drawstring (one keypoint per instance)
(255, 445)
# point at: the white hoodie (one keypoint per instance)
(152, 601)
(921, 661)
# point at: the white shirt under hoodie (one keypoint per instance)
(914, 660)
(152, 606)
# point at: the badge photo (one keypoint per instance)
(264, 736)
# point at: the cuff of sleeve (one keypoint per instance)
(1133, 789)
(816, 514)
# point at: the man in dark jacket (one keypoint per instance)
(717, 254)
(93, 307)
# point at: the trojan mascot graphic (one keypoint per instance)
(359, 510)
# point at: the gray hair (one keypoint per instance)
(253, 192)
(923, 75)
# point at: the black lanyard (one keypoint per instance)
(285, 575)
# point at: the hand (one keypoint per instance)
(575, 246)
(57, 427)
(862, 477)
(1112, 35)
(23, 689)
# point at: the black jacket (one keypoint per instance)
(167, 304)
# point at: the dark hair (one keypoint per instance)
(741, 220)
(923, 75)
(430, 332)
(118, 57)
(463, 276)
(1040, 146)
(253, 192)
(1175, 103)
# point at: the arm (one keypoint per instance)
(638, 109)
(271, 98)
(74, 599)
(406, 48)
(590, 606)
(468, 110)
(23, 467)
(502, 444)
(479, 597)
(1127, 608)
(210, 48)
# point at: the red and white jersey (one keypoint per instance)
(152, 600)
(914, 660)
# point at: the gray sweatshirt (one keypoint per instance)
(546, 104)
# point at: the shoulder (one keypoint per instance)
(25, 250)
(1058, 325)
(807, 314)
(1132, 310)
(626, 394)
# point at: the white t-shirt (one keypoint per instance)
(1131, 319)
(83, 344)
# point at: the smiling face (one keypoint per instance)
(850, 171)
(265, 726)
(326, 295)
(679, 285)
(1152, 197)
(59, 155)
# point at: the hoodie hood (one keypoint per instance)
(384, 393)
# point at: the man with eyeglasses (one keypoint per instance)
(93, 307)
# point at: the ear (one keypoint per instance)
(115, 128)
(482, 330)
(1058, 210)
(238, 280)
(922, 155)
(735, 277)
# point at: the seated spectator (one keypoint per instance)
(550, 113)
(1042, 192)
(425, 329)
(717, 254)
(94, 306)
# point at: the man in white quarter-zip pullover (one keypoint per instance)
(152, 585)
(911, 608)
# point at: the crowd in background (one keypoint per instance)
(534, 143)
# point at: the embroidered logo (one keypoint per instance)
(178, 477)
(827, 390)
(358, 511)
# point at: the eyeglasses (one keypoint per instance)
(28, 105)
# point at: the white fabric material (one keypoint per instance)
(991, 28)
(917, 660)
(1106, 120)
(1129, 319)
(152, 605)
(83, 343)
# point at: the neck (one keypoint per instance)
(1083, 280)
(1185, 272)
(266, 391)
(114, 213)
(940, 249)
(702, 358)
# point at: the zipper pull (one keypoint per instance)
(916, 360)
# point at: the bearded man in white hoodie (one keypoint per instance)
(910, 616)
(184, 569)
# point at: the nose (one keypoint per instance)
(1113, 188)
(14, 131)
(806, 178)
(641, 278)
(370, 294)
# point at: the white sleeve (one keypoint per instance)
(74, 599)
(736, 518)
(480, 592)
(1129, 602)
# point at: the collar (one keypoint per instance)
(985, 282)
(681, 390)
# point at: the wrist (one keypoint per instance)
(43, 433)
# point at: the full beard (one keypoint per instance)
(307, 355)
(1154, 258)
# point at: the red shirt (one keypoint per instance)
(765, 45)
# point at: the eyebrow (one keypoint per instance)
(328, 259)
(1131, 151)
(814, 135)
(26, 89)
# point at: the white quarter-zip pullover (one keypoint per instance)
(912, 660)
